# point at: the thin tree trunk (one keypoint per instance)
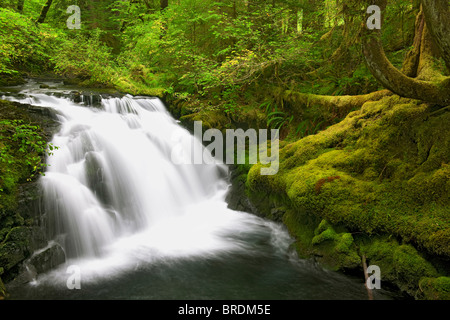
(366, 277)
(44, 11)
(164, 4)
(437, 16)
(20, 4)
(411, 62)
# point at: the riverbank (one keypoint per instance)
(372, 187)
(25, 132)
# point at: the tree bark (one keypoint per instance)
(437, 16)
(411, 62)
(349, 34)
(44, 11)
(20, 5)
(391, 78)
(164, 4)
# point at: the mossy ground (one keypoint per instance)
(383, 170)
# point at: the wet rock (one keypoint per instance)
(47, 258)
(237, 198)
(14, 250)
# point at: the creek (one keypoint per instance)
(138, 226)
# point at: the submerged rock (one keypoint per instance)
(47, 258)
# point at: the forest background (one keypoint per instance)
(363, 114)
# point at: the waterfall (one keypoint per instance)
(136, 223)
(113, 191)
(112, 173)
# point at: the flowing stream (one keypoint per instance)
(138, 226)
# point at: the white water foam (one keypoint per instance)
(115, 201)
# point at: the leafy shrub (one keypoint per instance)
(23, 45)
(83, 55)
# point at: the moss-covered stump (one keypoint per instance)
(383, 170)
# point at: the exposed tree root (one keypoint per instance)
(434, 91)
(340, 104)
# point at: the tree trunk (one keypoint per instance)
(411, 62)
(349, 34)
(437, 16)
(164, 4)
(44, 11)
(391, 78)
(20, 5)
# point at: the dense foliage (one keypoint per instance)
(207, 48)
(301, 66)
(230, 53)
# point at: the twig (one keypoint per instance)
(366, 276)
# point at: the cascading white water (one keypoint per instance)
(137, 224)
(115, 198)
(113, 174)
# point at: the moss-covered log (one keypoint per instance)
(340, 104)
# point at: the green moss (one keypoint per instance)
(211, 119)
(301, 226)
(22, 146)
(400, 264)
(383, 174)
(410, 266)
(327, 235)
(322, 227)
(345, 243)
(392, 162)
(380, 252)
(134, 87)
(435, 288)
(338, 249)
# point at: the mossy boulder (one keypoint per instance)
(400, 264)
(15, 248)
(435, 288)
(337, 249)
(383, 170)
(391, 158)
(410, 267)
